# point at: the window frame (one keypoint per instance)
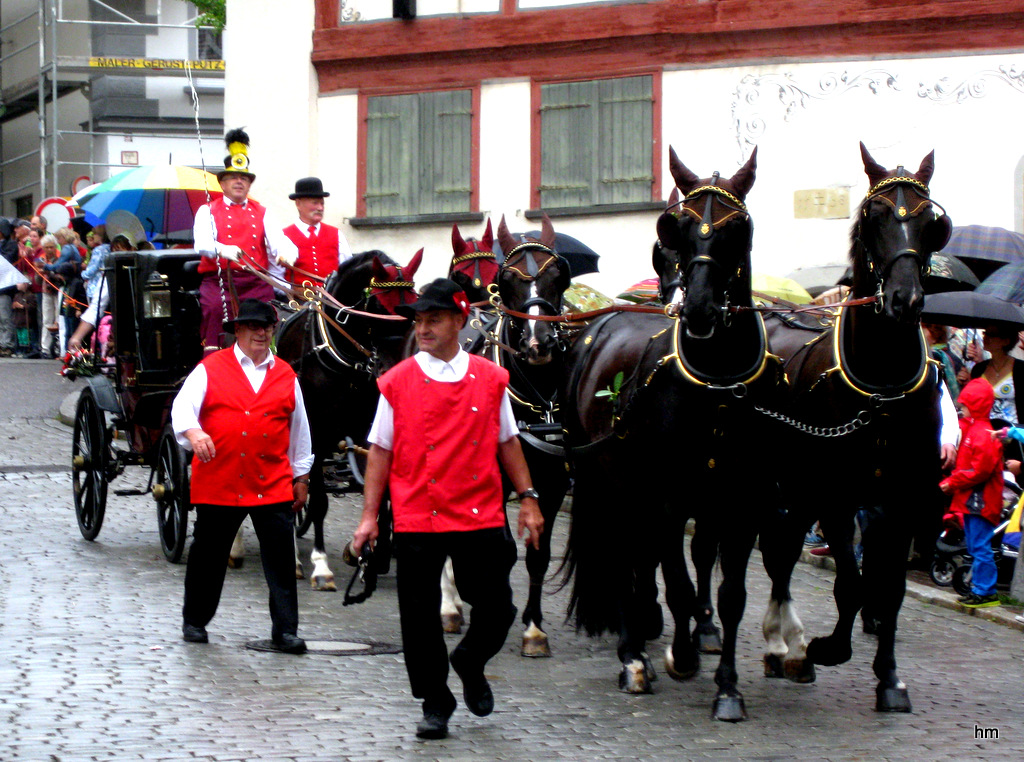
(536, 101)
(470, 215)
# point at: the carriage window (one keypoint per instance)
(596, 142)
(418, 153)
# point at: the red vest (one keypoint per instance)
(241, 226)
(444, 471)
(250, 432)
(318, 254)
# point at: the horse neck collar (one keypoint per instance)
(324, 344)
(691, 373)
(532, 398)
(841, 360)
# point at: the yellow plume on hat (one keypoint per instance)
(238, 151)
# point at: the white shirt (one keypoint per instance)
(188, 403)
(949, 433)
(204, 233)
(344, 250)
(382, 433)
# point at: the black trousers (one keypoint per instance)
(215, 529)
(482, 560)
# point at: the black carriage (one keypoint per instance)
(154, 306)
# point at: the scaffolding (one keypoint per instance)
(37, 35)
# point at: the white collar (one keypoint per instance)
(304, 227)
(244, 359)
(229, 202)
(440, 370)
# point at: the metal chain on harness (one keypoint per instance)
(862, 419)
(202, 161)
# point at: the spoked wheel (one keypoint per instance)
(89, 455)
(171, 493)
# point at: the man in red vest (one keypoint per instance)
(443, 424)
(233, 231)
(321, 247)
(240, 412)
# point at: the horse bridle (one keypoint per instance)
(473, 256)
(534, 270)
(903, 214)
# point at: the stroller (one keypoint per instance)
(951, 549)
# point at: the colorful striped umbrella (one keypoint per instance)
(164, 197)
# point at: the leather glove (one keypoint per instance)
(230, 253)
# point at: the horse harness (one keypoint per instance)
(474, 256)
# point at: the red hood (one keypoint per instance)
(977, 396)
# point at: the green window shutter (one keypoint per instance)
(418, 153)
(596, 142)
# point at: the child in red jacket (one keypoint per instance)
(977, 488)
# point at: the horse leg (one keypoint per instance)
(848, 592)
(886, 548)
(786, 652)
(637, 670)
(322, 578)
(707, 638)
(552, 483)
(236, 556)
(451, 603)
(682, 657)
(732, 600)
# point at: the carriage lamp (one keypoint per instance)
(156, 297)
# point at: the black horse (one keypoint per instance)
(338, 346)
(661, 427)
(862, 424)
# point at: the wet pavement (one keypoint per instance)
(92, 666)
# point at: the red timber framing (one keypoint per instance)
(618, 39)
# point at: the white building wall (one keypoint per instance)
(806, 119)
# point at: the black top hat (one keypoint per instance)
(309, 187)
(440, 294)
(252, 311)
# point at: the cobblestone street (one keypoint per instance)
(92, 665)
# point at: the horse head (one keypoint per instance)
(709, 238)
(532, 280)
(898, 228)
(666, 260)
(474, 266)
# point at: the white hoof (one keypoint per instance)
(535, 642)
(322, 578)
(452, 623)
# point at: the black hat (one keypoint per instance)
(237, 160)
(252, 311)
(440, 294)
(309, 187)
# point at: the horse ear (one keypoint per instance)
(505, 238)
(875, 171)
(547, 233)
(686, 181)
(924, 172)
(487, 240)
(668, 231)
(414, 264)
(743, 180)
(378, 271)
(673, 198)
(458, 243)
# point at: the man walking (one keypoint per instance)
(443, 423)
(321, 247)
(241, 413)
(225, 230)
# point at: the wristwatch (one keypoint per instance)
(531, 492)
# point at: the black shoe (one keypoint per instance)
(434, 725)
(192, 634)
(290, 644)
(476, 691)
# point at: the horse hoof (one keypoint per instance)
(681, 671)
(871, 624)
(236, 563)
(824, 651)
(649, 668)
(799, 670)
(299, 573)
(892, 698)
(773, 666)
(729, 708)
(709, 642)
(323, 584)
(633, 678)
(451, 623)
(535, 643)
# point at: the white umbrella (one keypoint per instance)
(10, 275)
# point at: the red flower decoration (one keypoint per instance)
(462, 302)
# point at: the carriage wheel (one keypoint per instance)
(171, 493)
(89, 454)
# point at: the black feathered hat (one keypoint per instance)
(237, 160)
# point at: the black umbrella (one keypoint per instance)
(581, 258)
(819, 278)
(948, 273)
(969, 309)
